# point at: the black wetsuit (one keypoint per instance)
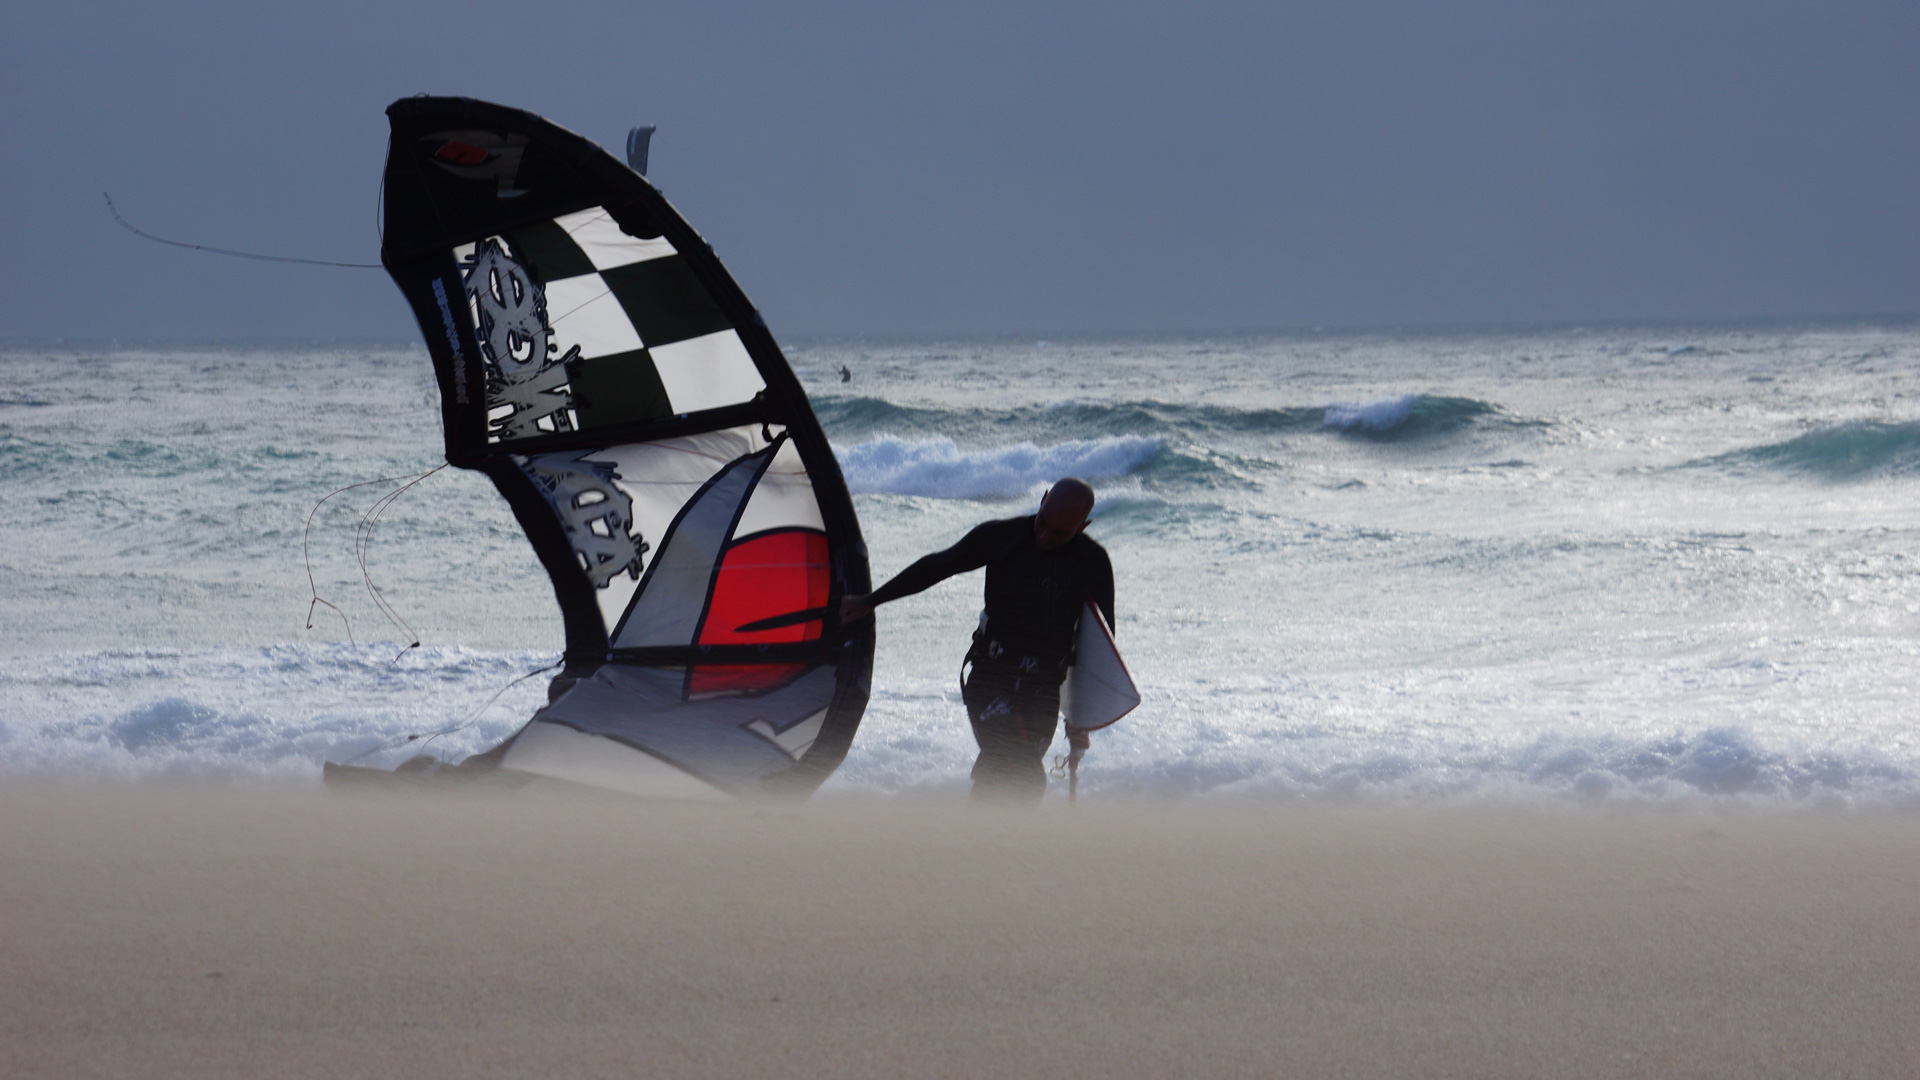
(1021, 652)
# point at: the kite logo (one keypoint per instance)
(596, 515)
(527, 391)
(459, 153)
(480, 155)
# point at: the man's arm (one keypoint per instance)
(971, 553)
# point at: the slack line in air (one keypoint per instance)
(602, 368)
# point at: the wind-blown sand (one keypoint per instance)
(198, 933)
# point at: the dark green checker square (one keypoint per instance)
(665, 301)
(618, 389)
(550, 254)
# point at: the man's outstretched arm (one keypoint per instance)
(971, 553)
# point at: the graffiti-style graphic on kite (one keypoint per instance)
(526, 384)
(595, 514)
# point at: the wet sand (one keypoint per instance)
(195, 933)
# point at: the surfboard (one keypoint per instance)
(1098, 689)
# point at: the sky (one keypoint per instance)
(1005, 168)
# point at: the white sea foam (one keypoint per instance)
(1197, 741)
(273, 715)
(938, 468)
(1383, 415)
(255, 715)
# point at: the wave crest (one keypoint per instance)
(937, 468)
(1843, 452)
(1409, 415)
(1406, 416)
(1078, 417)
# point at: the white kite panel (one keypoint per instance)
(707, 372)
(784, 499)
(600, 239)
(584, 312)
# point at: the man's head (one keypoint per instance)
(1063, 513)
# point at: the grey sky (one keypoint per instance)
(1006, 167)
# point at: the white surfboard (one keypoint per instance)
(1098, 689)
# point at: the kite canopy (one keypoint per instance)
(600, 365)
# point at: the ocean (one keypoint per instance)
(1569, 568)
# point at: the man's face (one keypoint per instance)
(1056, 524)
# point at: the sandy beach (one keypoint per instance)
(217, 933)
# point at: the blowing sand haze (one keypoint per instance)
(182, 933)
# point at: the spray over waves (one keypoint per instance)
(1855, 451)
(938, 468)
(1408, 416)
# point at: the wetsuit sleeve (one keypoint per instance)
(971, 553)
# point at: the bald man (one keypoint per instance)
(1041, 571)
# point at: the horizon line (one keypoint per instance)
(1887, 319)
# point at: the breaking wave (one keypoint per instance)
(1408, 416)
(937, 468)
(854, 417)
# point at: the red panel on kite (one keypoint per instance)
(765, 577)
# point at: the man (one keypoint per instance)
(1041, 571)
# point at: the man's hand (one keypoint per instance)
(854, 608)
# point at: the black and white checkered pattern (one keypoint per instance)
(651, 340)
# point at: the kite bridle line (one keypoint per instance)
(363, 531)
(363, 541)
(306, 552)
